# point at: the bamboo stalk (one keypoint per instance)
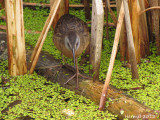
(87, 9)
(136, 27)
(131, 48)
(38, 47)
(113, 55)
(36, 4)
(155, 20)
(15, 37)
(70, 5)
(112, 2)
(151, 8)
(123, 37)
(96, 36)
(81, 6)
(109, 24)
(67, 6)
(62, 9)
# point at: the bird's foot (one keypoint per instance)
(76, 75)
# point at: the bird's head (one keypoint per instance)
(72, 42)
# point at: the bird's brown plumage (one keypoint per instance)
(65, 25)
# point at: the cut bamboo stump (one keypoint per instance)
(96, 36)
(151, 8)
(38, 47)
(15, 37)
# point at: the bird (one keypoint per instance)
(71, 37)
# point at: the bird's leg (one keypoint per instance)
(76, 75)
(77, 72)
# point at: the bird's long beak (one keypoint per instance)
(73, 52)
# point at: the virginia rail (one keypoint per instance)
(71, 37)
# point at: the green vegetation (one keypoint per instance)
(46, 100)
